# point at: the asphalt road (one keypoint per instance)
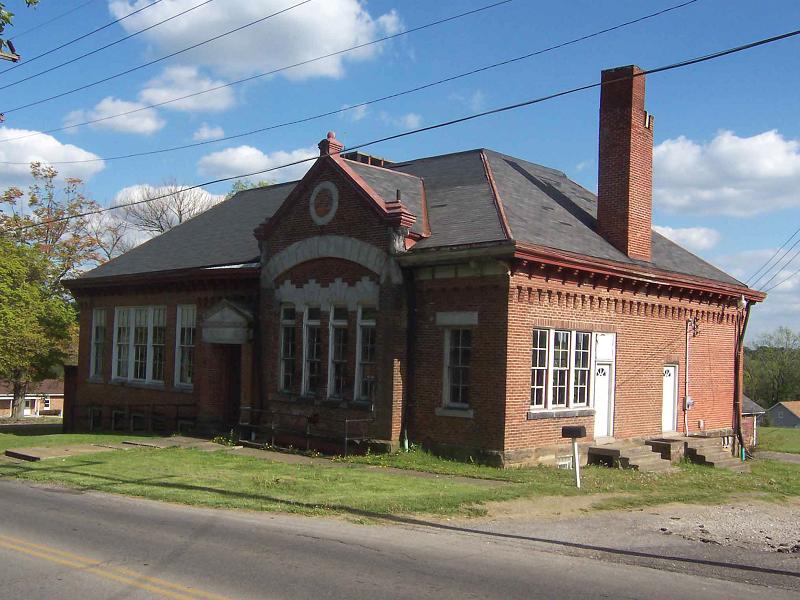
(57, 543)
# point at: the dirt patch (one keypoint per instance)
(547, 508)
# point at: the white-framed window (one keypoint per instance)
(366, 354)
(337, 352)
(539, 367)
(457, 360)
(46, 402)
(561, 364)
(312, 351)
(185, 327)
(288, 348)
(139, 336)
(98, 342)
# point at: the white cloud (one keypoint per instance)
(475, 101)
(45, 149)
(406, 121)
(300, 34)
(143, 122)
(730, 175)
(353, 114)
(178, 81)
(693, 238)
(583, 165)
(208, 132)
(247, 159)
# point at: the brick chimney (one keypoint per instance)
(625, 166)
(330, 145)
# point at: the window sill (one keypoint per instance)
(185, 388)
(147, 385)
(559, 414)
(451, 411)
(95, 379)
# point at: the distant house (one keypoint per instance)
(43, 398)
(752, 413)
(785, 414)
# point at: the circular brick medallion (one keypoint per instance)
(323, 203)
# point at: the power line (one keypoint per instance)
(332, 112)
(782, 281)
(494, 111)
(364, 103)
(252, 77)
(774, 254)
(142, 66)
(88, 34)
(775, 266)
(56, 18)
(781, 268)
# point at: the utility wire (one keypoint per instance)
(440, 125)
(774, 254)
(142, 66)
(56, 18)
(775, 266)
(446, 80)
(780, 269)
(782, 281)
(360, 104)
(87, 34)
(305, 62)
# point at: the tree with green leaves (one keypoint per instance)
(37, 324)
(241, 185)
(53, 221)
(6, 19)
(772, 367)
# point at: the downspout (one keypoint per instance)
(686, 399)
(411, 334)
(737, 399)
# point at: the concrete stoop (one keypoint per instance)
(630, 455)
(709, 451)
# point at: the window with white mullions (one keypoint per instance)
(312, 351)
(288, 348)
(139, 340)
(459, 356)
(581, 369)
(561, 355)
(337, 365)
(365, 355)
(98, 342)
(184, 350)
(539, 367)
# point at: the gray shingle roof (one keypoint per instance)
(749, 407)
(543, 207)
(223, 235)
(386, 183)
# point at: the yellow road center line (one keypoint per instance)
(120, 574)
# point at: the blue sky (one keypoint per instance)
(726, 132)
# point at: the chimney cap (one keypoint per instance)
(330, 145)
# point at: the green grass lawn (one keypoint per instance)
(220, 479)
(29, 436)
(779, 439)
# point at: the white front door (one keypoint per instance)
(603, 411)
(30, 407)
(669, 399)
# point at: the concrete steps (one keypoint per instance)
(710, 452)
(630, 455)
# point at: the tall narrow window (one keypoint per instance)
(337, 366)
(184, 351)
(539, 367)
(365, 360)
(158, 341)
(458, 356)
(140, 334)
(312, 350)
(122, 334)
(288, 348)
(98, 342)
(560, 367)
(581, 366)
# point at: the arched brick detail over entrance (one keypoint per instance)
(332, 246)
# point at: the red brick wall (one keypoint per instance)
(488, 296)
(650, 333)
(206, 401)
